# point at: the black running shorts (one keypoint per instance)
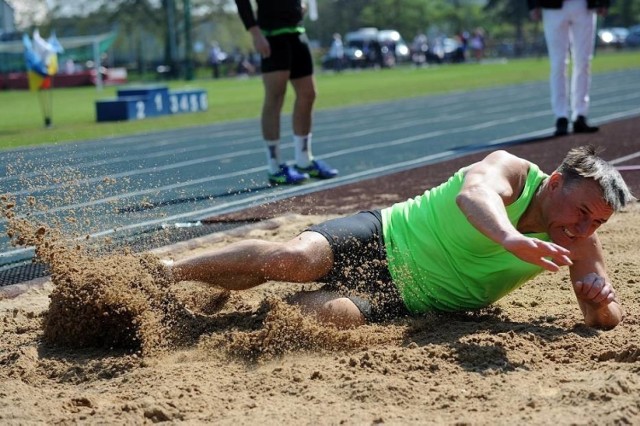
(360, 265)
(289, 52)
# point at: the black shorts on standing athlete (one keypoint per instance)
(360, 265)
(281, 23)
(289, 52)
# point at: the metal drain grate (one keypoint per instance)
(23, 272)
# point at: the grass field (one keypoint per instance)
(74, 119)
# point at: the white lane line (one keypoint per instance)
(625, 158)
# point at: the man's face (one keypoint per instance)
(575, 211)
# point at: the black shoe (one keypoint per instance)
(562, 127)
(581, 126)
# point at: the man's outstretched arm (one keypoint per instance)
(489, 186)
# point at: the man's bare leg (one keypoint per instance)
(275, 89)
(305, 90)
(249, 263)
(330, 308)
(246, 264)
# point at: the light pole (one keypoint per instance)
(187, 40)
(171, 26)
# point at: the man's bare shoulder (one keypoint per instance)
(507, 161)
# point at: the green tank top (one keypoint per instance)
(440, 262)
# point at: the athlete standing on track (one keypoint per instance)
(279, 38)
(569, 24)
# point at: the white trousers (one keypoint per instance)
(570, 28)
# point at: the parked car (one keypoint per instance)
(437, 50)
(396, 44)
(612, 37)
(353, 58)
(633, 38)
(369, 47)
(447, 50)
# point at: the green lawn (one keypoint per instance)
(231, 99)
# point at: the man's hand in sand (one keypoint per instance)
(594, 289)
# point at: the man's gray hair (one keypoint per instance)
(583, 162)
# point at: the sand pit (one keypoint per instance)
(189, 353)
(249, 358)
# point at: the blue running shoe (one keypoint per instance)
(287, 176)
(318, 169)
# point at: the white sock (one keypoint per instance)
(273, 156)
(303, 153)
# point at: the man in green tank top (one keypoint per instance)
(462, 245)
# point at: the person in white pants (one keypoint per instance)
(569, 25)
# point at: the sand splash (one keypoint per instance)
(285, 329)
(119, 300)
(126, 300)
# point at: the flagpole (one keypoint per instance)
(43, 108)
(41, 58)
(47, 98)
